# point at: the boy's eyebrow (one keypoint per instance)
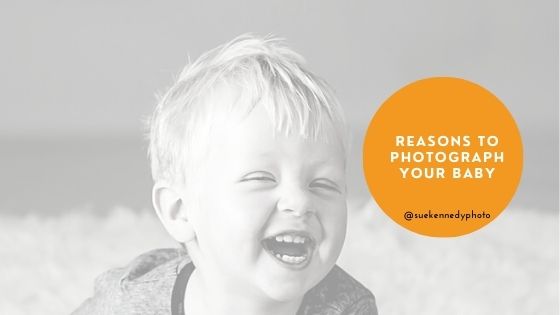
(322, 161)
(319, 161)
(265, 155)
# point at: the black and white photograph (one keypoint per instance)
(207, 157)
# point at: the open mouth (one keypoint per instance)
(292, 248)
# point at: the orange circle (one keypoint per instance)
(443, 157)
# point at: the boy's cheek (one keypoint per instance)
(333, 208)
(335, 224)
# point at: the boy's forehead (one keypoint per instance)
(235, 116)
(257, 136)
(260, 124)
(284, 114)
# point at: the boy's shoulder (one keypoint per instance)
(145, 287)
(339, 293)
(149, 277)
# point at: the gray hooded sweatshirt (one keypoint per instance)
(154, 283)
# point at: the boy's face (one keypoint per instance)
(270, 214)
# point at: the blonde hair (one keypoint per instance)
(260, 68)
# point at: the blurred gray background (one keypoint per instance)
(78, 77)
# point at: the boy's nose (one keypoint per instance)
(296, 202)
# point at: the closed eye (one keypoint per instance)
(327, 184)
(259, 176)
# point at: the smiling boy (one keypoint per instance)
(248, 153)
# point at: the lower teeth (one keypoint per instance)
(291, 259)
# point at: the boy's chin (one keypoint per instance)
(286, 292)
(291, 287)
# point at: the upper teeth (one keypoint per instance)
(290, 239)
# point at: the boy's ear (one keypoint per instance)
(172, 212)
